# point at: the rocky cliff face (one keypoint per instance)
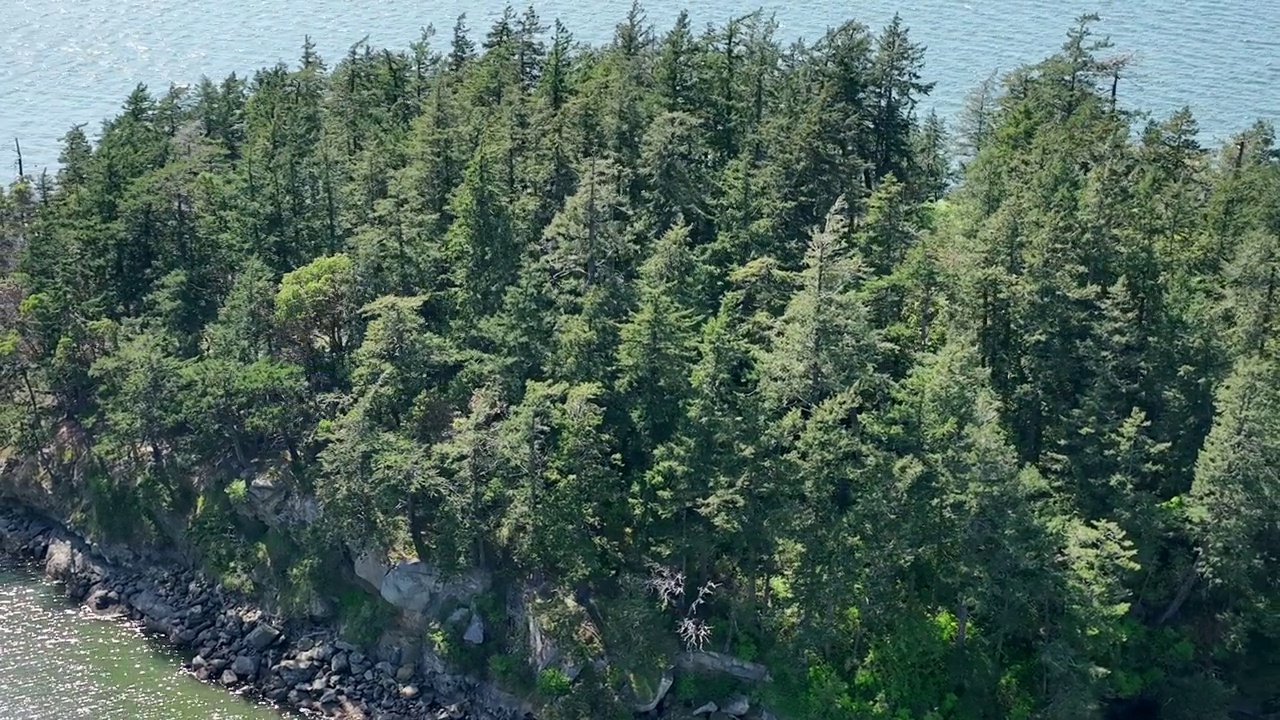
(235, 643)
(238, 645)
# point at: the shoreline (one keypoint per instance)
(227, 641)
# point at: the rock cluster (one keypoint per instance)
(235, 644)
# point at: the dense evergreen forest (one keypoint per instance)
(710, 337)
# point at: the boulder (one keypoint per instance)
(475, 631)
(339, 663)
(409, 692)
(370, 568)
(723, 664)
(422, 588)
(664, 686)
(320, 609)
(737, 706)
(245, 666)
(706, 709)
(151, 605)
(404, 674)
(261, 637)
(228, 678)
(102, 599)
(60, 560)
(264, 497)
(295, 672)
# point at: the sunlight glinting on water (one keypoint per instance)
(56, 663)
(64, 62)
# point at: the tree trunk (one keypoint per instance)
(417, 532)
(1184, 592)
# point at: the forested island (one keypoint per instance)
(734, 377)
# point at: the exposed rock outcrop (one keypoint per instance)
(422, 588)
(722, 664)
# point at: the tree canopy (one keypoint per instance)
(953, 437)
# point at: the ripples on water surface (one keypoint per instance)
(57, 664)
(64, 62)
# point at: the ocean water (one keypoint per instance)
(65, 62)
(57, 663)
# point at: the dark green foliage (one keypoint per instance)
(934, 442)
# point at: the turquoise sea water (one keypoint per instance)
(64, 62)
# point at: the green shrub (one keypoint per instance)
(363, 618)
(237, 490)
(686, 688)
(502, 667)
(224, 550)
(694, 688)
(553, 683)
(746, 648)
(511, 672)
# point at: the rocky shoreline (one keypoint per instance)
(235, 644)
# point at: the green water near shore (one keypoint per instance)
(57, 663)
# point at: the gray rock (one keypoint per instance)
(724, 665)
(369, 567)
(151, 605)
(60, 560)
(264, 497)
(458, 616)
(404, 674)
(359, 663)
(389, 652)
(245, 666)
(228, 678)
(475, 631)
(419, 587)
(737, 706)
(664, 686)
(706, 709)
(262, 636)
(102, 599)
(339, 663)
(294, 672)
(409, 692)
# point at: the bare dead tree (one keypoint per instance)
(669, 584)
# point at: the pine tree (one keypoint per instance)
(822, 343)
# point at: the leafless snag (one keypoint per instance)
(669, 585)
